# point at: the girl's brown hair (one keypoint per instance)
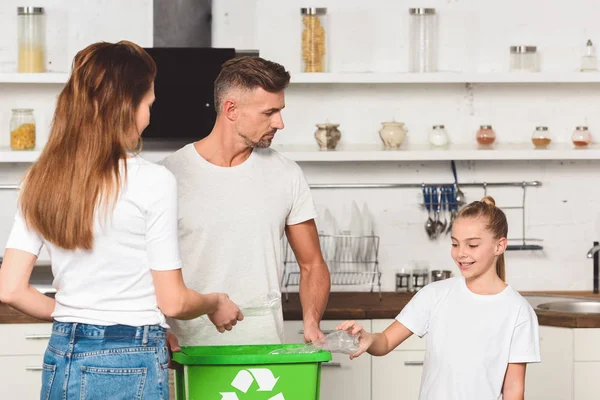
(94, 125)
(497, 224)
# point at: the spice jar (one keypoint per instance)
(486, 135)
(438, 137)
(541, 137)
(22, 129)
(524, 59)
(314, 39)
(31, 39)
(588, 60)
(581, 137)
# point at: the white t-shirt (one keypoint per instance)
(112, 283)
(471, 339)
(231, 222)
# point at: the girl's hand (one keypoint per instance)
(365, 338)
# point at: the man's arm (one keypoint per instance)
(314, 275)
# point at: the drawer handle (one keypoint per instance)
(34, 368)
(411, 363)
(38, 336)
(325, 332)
(332, 364)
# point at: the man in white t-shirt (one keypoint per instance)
(236, 199)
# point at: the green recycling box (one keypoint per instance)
(247, 373)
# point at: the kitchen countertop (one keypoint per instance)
(364, 305)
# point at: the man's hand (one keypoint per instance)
(312, 333)
(172, 345)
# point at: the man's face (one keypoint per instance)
(259, 117)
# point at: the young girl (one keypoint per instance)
(480, 332)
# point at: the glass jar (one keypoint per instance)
(314, 39)
(438, 137)
(541, 137)
(422, 36)
(524, 59)
(588, 60)
(581, 137)
(486, 135)
(31, 39)
(22, 129)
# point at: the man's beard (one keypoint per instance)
(262, 143)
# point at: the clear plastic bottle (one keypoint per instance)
(423, 41)
(31, 38)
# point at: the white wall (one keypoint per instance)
(474, 36)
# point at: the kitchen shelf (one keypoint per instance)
(447, 77)
(376, 152)
(47, 77)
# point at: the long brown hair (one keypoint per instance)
(496, 223)
(78, 171)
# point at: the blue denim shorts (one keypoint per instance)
(93, 362)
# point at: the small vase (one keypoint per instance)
(327, 136)
(392, 134)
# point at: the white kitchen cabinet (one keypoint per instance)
(398, 374)
(341, 378)
(552, 379)
(21, 353)
(587, 380)
(20, 377)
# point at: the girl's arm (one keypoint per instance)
(377, 344)
(514, 382)
(15, 289)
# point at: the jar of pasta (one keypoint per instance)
(22, 129)
(314, 39)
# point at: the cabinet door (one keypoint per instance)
(397, 372)
(587, 382)
(552, 379)
(341, 378)
(24, 339)
(20, 377)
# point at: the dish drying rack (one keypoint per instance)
(352, 261)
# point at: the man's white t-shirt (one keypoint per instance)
(112, 283)
(231, 222)
(471, 339)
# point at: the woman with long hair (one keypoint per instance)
(109, 221)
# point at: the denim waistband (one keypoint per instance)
(114, 331)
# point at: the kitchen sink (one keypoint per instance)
(575, 306)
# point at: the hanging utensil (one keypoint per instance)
(459, 196)
(429, 224)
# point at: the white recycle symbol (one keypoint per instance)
(243, 380)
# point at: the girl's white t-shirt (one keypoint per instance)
(471, 339)
(112, 283)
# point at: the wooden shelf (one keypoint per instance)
(45, 78)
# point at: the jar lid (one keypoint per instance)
(541, 128)
(485, 127)
(313, 11)
(421, 11)
(22, 110)
(30, 10)
(523, 49)
(438, 127)
(582, 128)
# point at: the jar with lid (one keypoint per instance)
(314, 39)
(581, 137)
(422, 36)
(541, 137)
(22, 129)
(524, 59)
(486, 135)
(438, 137)
(31, 39)
(588, 60)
